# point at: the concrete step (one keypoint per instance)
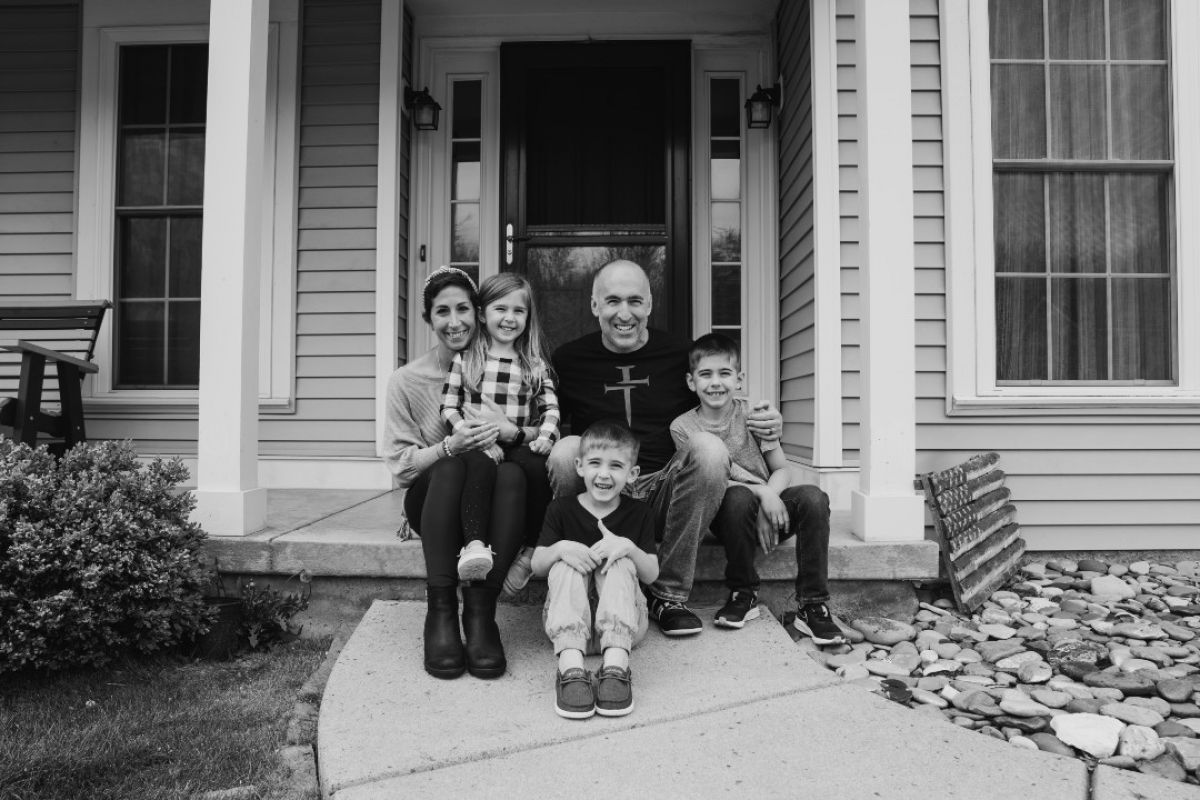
(737, 713)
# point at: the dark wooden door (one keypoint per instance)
(594, 142)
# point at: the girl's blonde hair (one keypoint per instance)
(531, 354)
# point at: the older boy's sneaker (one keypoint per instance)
(815, 620)
(474, 561)
(520, 572)
(614, 692)
(673, 617)
(738, 610)
(574, 694)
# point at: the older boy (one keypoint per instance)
(594, 549)
(760, 506)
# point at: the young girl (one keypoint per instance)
(506, 369)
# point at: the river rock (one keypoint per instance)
(1091, 565)
(1171, 728)
(1119, 762)
(853, 672)
(1133, 715)
(1177, 632)
(1126, 683)
(1014, 662)
(929, 698)
(1187, 750)
(1155, 704)
(1051, 698)
(1111, 587)
(1144, 631)
(1019, 704)
(1094, 734)
(998, 630)
(1050, 743)
(1076, 650)
(886, 669)
(1034, 672)
(1165, 766)
(1022, 724)
(882, 630)
(1185, 710)
(1087, 705)
(995, 651)
(1140, 743)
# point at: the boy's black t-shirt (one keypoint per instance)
(645, 389)
(567, 520)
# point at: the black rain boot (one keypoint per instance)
(485, 653)
(444, 656)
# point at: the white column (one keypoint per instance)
(228, 498)
(387, 205)
(885, 507)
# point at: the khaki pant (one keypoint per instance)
(613, 599)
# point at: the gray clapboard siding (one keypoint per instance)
(39, 52)
(848, 209)
(402, 209)
(797, 314)
(1079, 482)
(335, 300)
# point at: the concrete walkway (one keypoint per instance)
(727, 713)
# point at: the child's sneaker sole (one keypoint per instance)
(722, 622)
(474, 569)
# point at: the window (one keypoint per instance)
(725, 205)
(466, 139)
(1081, 150)
(159, 214)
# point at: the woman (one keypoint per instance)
(423, 453)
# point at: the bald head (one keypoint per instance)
(621, 303)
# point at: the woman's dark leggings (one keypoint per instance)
(458, 499)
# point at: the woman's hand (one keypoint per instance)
(764, 421)
(493, 414)
(473, 434)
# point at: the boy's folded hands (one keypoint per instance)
(577, 556)
(610, 547)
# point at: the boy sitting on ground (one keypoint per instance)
(760, 506)
(594, 549)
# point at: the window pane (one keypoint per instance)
(727, 294)
(143, 85)
(465, 180)
(143, 250)
(1020, 223)
(726, 177)
(726, 232)
(465, 122)
(1016, 28)
(1137, 29)
(141, 169)
(1137, 223)
(185, 168)
(1076, 228)
(1139, 114)
(1076, 29)
(185, 257)
(725, 111)
(1020, 329)
(189, 83)
(1079, 329)
(1078, 110)
(465, 245)
(140, 344)
(183, 343)
(1018, 111)
(1141, 329)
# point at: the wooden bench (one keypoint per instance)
(31, 334)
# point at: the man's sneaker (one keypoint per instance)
(474, 561)
(673, 617)
(738, 610)
(574, 694)
(815, 620)
(520, 572)
(614, 692)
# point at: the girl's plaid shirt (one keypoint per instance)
(502, 384)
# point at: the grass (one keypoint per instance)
(151, 729)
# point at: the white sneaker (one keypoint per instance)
(474, 561)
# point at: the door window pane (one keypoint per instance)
(466, 120)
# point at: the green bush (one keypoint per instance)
(97, 556)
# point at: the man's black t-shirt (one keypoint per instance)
(567, 520)
(644, 389)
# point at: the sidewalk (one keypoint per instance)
(727, 713)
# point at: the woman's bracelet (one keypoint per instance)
(446, 447)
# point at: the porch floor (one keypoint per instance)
(352, 534)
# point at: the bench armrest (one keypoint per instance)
(50, 355)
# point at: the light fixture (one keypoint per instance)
(760, 107)
(424, 109)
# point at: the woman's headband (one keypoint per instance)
(446, 270)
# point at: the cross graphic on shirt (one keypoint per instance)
(627, 385)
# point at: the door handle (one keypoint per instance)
(509, 240)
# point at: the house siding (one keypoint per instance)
(1079, 482)
(39, 56)
(334, 410)
(405, 168)
(797, 310)
(848, 209)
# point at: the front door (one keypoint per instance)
(594, 148)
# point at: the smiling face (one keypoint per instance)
(452, 317)
(621, 302)
(505, 317)
(605, 470)
(715, 379)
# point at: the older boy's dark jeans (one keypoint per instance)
(808, 520)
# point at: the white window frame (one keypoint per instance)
(96, 194)
(970, 259)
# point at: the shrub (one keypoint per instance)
(97, 556)
(267, 613)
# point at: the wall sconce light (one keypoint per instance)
(760, 107)
(424, 109)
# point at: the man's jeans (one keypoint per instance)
(617, 605)
(808, 520)
(685, 496)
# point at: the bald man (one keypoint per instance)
(633, 373)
